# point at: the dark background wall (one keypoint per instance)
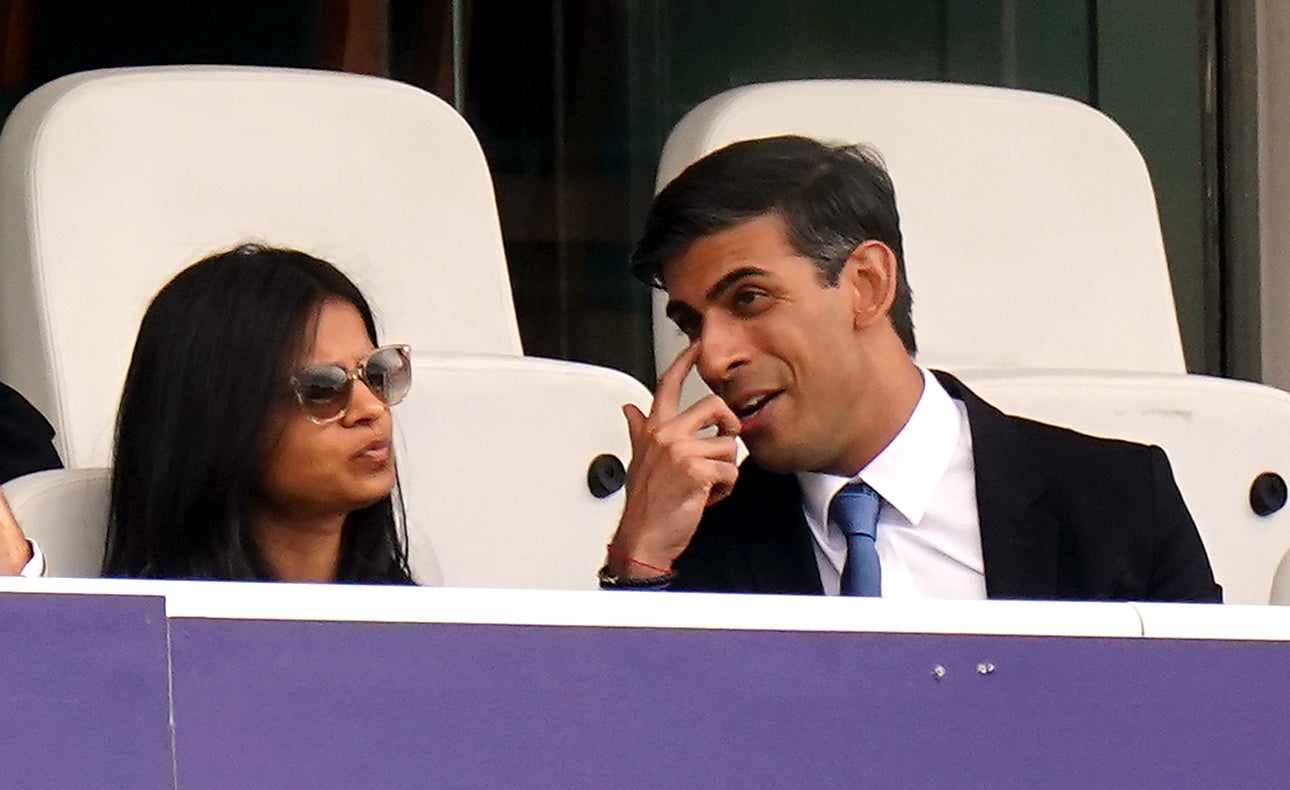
(572, 100)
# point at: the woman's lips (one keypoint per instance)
(378, 451)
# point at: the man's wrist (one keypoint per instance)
(628, 561)
(612, 581)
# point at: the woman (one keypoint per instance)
(253, 439)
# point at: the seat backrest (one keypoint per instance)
(1281, 582)
(66, 512)
(1030, 228)
(1221, 436)
(111, 181)
(494, 458)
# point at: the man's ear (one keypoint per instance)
(870, 273)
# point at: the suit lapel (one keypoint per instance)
(779, 551)
(1019, 536)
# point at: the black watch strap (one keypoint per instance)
(610, 581)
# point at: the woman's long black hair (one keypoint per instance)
(192, 432)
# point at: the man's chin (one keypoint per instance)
(773, 458)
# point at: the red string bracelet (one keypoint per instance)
(609, 549)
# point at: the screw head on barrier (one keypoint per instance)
(1267, 493)
(605, 475)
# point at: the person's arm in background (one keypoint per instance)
(26, 437)
(18, 557)
(26, 446)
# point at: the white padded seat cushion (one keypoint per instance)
(66, 512)
(1219, 434)
(493, 458)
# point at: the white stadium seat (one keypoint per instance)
(66, 512)
(111, 181)
(1030, 226)
(1221, 437)
(495, 455)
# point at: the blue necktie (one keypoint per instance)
(855, 510)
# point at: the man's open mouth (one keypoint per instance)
(750, 406)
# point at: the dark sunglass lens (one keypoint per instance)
(324, 391)
(389, 374)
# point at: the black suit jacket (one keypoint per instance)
(1063, 515)
(26, 438)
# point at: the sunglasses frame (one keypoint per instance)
(359, 373)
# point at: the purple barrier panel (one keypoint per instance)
(310, 704)
(86, 692)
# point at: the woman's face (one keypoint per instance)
(321, 471)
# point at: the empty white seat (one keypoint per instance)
(1221, 437)
(1030, 228)
(111, 181)
(66, 512)
(494, 459)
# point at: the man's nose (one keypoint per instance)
(722, 349)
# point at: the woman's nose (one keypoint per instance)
(364, 405)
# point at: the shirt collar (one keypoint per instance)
(907, 471)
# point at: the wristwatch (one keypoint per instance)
(611, 581)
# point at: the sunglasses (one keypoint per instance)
(324, 390)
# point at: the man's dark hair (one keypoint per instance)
(832, 199)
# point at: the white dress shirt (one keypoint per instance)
(929, 536)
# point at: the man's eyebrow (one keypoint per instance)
(730, 279)
(677, 310)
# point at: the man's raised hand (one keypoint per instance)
(674, 474)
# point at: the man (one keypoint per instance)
(782, 261)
